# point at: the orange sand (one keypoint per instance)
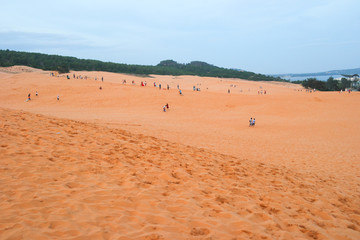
(109, 164)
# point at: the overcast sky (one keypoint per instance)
(263, 36)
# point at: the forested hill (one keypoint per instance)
(167, 67)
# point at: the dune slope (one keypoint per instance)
(65, 179)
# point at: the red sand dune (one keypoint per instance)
(109, 164)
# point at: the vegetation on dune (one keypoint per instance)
(330, 85)
(168, 67)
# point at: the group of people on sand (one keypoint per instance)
(75, 76)
(346, 90)
(37, 94)
(166, 107)
(252, 122)
(29, 96)
(196, 89)
(310, 90)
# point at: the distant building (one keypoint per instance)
(355, 80)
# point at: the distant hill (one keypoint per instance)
(327, 73)
(167, 67)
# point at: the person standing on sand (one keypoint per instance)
(164, 108)
(36, 93)
(28, 99)
(58, 98)
(250, 122)
(159, 86)
(253, 122)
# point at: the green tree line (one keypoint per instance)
(330, 85)
(64, 64)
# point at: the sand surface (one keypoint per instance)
(110, 164)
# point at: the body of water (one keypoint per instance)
(319, 77)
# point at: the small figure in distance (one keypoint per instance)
(228, 90)
(28, 98)
(167, 106)
(253, 122)
(36, 93)
(58, 98)
(250, 122)
(180, 92)
(100, 88)
(164, 108)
